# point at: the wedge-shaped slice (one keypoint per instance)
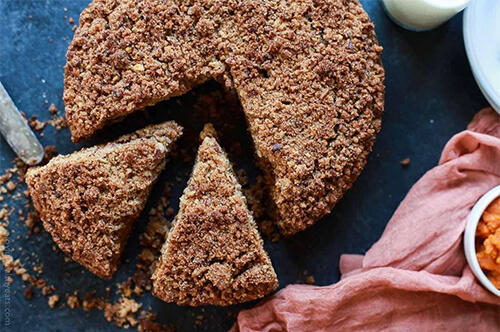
(214, 253)
(88, 200)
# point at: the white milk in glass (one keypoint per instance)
(421, 15)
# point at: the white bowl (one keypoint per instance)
(470, 238)
(482, 43)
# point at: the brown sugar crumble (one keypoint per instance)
(405, 162)
(214, 253)
(52, 109)
(122, 312)
(305, 278)
(57, 122)
(11, 186)
(73, 302)
(36, 124)
(53, 300)
(28, 294)
(313, 101)
(310, 280)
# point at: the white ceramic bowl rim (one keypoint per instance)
(479, 37)
(470, 237)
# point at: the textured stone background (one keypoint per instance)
(431, 95)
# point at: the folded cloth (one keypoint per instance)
(415, 278)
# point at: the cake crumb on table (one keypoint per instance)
(52, 108)
(10, 186)
(122, 312)
(310, 280)
(73, 301)
(53, 300)
(405, 162)
(36, 124)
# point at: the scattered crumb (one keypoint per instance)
(28, 293)
(73, 302)
(147, 323)
(52, 108)
(32, 220)
(35, 124)
(405, 162)
(90, 302)
(53, 300)
(58, 122)
(4, 178)
(47, 290)
(11, 186)
(310, 280)
(122, 312)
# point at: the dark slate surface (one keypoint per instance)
(431, 95)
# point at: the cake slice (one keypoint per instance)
(88, 200)
(214, 254)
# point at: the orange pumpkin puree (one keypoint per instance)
(488, 242)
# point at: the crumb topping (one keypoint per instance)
(214, 253)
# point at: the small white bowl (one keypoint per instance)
(470, 237)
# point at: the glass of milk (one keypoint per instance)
(422, 15)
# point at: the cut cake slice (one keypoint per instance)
(88, 200)
(214, 254)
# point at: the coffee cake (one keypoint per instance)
(214, 253)
(308, 74)
(88, 200)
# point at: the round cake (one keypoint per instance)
(308, 74)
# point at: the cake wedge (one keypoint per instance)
(88, 200)
(214, 253)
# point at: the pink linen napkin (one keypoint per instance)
(415, 278)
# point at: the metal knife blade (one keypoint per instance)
(17, 132)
